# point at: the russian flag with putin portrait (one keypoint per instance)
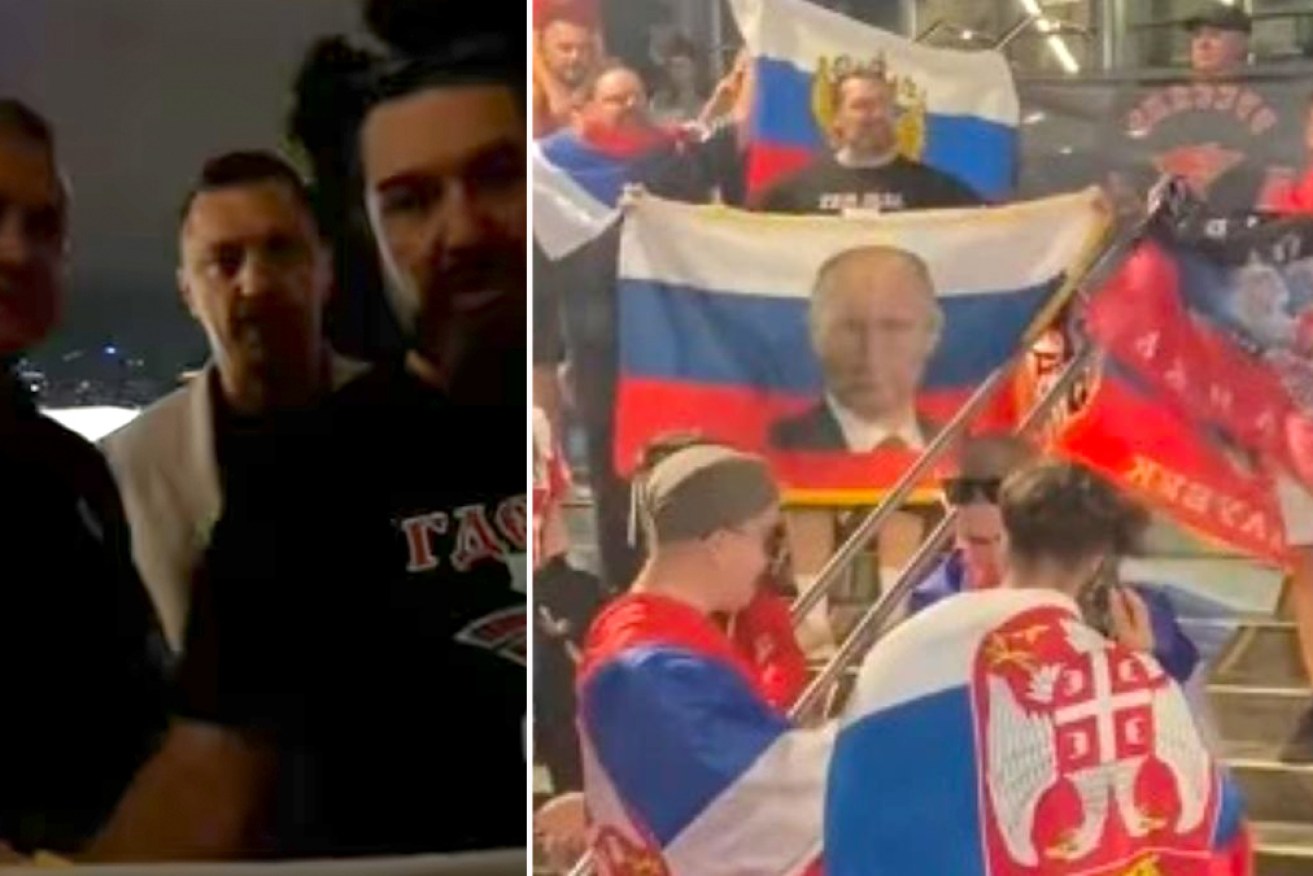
(716, 329)
(959, 110)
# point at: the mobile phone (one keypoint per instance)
(1096, 599)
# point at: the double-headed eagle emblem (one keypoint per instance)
(910, 99)
(1100, 721)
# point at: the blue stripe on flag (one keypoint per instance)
(871, 828)
(681, 333)
(674, 730)
(980, 152)
(597, 173)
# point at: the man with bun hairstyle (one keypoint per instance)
(687, 765)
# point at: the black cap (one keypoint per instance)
(1221, 17)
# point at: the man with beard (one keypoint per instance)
(565, 53)
(357, 642)
(575, 314)
(81, 650)
(255, 275)
(865, 171)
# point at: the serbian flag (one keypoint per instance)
(959, 110)
(714, 337)
(995, 733)
(578, 180)
(688, 771)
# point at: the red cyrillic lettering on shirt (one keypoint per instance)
(419, 531)
(475, 539)
(512, 519)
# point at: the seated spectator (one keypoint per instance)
(680, 732)
(978, 560)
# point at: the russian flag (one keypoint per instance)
(996, 733)
(713, 319)
(688, 771)
(960, 108)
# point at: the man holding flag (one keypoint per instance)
(865, 171)
(580, 174)
(1055, 750)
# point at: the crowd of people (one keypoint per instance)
(241, 627)
(691, 540)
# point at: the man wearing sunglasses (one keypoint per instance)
(1140, 617)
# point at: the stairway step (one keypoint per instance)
(1276, 780)
(1264, 653)
(1283, 849)
(1262, 714)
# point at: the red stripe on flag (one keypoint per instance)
(1153, 451)
(649, 409)
(769, 163)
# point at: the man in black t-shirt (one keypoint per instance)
(82, 660)
(865, 171)
(1229, 135)
(575, 306)
(353, 679)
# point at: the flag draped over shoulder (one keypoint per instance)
(687, 769)
(959, 110)
(996, 733)
(1204, 400)
(714, 333)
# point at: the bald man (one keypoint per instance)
(874, 325)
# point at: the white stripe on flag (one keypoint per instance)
(769, 820)
(898, 671)
(956, 82)
(565, 215)
(971, 251)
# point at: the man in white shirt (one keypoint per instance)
(255, 274)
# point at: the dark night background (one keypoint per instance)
(140, 92)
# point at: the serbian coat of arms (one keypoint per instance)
(1091, 762)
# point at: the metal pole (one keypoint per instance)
(1109, 35)
(718, 36)
(930, 31)
(1015, 31)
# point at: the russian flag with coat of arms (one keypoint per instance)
(959, 110)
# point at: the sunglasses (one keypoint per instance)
(775, 545)
(964, 491)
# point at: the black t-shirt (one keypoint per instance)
(363, 608)
(826, 186)
(82, 655)
(1223, 137)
